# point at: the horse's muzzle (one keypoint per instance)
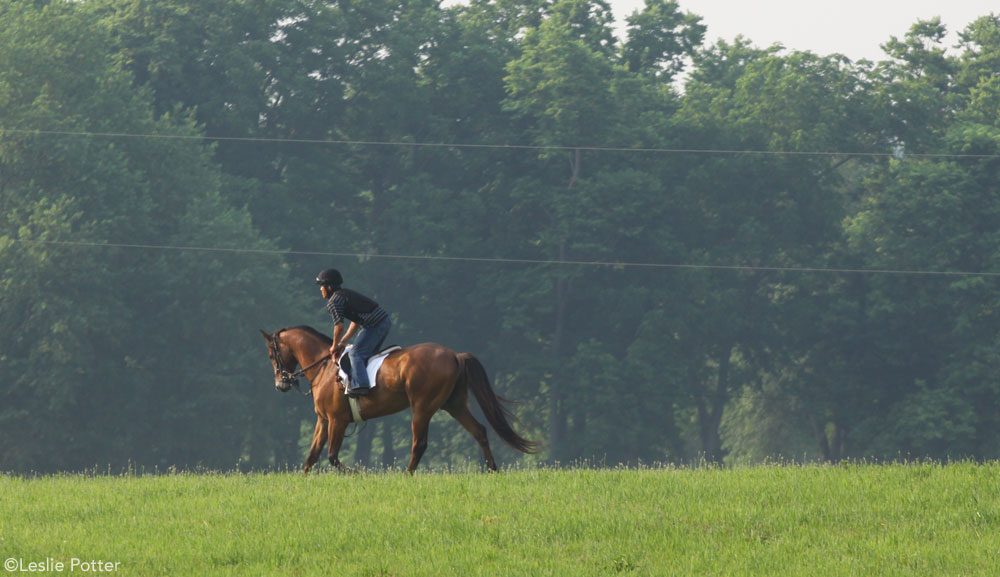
(284, 384)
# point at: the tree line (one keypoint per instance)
(663, 249)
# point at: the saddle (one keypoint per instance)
(374, 363)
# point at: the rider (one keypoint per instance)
(369, 320)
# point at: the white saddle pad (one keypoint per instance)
(374, 364)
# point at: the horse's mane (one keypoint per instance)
(311, 331)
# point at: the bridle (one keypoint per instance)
(288, 378)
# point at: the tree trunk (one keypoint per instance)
(363, 453)
(819, 433)
(557, 420)
(557, 417)
(831, 443)
(710, 410)
(388, 450)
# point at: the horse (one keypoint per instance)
(426, 377)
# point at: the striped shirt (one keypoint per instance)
(355, 307)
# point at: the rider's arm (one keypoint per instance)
(338, 334)
(340, 337)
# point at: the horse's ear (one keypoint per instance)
(266, 336)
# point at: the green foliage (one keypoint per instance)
(659, 37)
(107, 347)
(371, 128)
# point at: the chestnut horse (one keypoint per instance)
(424, 377)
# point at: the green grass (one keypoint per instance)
(857, 520)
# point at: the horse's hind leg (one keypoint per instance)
(464, 416)
(319, 439)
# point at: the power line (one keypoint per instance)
(585, 263)
(392, 143)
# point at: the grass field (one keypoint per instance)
(858, 520)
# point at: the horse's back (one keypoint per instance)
(422, 363)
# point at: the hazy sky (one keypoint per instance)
(854, 28)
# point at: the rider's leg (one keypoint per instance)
(366, 344)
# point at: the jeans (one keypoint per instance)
(366, 344)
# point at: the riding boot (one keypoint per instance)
(359, 385)
(353, 391)
(358, 391)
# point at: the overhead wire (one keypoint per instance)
(494, 146)
(630, 264)
(501, 260)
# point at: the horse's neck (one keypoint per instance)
(307, 348)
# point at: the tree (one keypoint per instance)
(901, 373)
(98, 329)
(559, 88)
(758, 210)
(659, 38)
(915, 86)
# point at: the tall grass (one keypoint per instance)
(916, 519)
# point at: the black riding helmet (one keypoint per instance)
(329, 277)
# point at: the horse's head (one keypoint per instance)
(282, 360)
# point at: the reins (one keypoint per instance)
(302, 372)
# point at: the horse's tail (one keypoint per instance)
(474, 375)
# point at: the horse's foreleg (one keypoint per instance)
(319, 439)
(420, 425)
(337, 429)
